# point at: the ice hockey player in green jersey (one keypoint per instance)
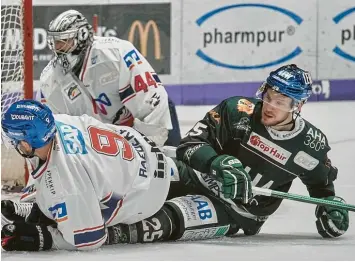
(264, 142)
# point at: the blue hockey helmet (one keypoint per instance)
(290, 81)
(30, 121)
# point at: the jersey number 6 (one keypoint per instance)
(106, 142)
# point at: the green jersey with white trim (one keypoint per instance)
(272, 158)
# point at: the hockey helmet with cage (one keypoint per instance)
(30, 121)
(72, 32)
(290, 81)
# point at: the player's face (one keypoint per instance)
(24, 148)
(276, 108)
(63, 46)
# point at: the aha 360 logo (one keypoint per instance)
(258, 37)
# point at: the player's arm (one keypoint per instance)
(202, 149)
(143, 94)
(331, 221)
(204, 142)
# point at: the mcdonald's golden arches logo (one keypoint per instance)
(143, 37)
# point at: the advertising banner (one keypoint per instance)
(207, 50)
(336, 39)
(147, 26)
(234, 41)
(212, 94)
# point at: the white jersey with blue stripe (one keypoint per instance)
(97, 175)
(115, 85)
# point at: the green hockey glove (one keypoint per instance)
(332, 221)
(236, 183)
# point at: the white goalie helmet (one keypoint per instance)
(69, 36)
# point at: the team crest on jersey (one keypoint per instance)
(123, 117)
(268, 148)
(243, 124)
(72, 92)
(246, 106)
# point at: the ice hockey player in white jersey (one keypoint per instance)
(99, 184)
(90, 175)
(106, 78)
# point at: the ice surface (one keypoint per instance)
(290, 234)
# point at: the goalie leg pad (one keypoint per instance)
(197, 217)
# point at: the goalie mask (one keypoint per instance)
(69, 36)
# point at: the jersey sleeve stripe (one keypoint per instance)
(126, 93)
(91, 243)
(28, 192)
(88, 229)
(110, 206)
(89, 236)
(129, 98)
(106, 197)
(114, 213)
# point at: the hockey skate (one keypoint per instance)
(14, 211)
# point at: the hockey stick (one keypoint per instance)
(300, 198)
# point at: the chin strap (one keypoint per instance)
(30, 155)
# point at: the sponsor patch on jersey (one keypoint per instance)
(48, 180)
(305, 160)
(268, 148)
(59, 212)
(131, 59)
(72, 92)
(108, 78)
(246, 106)
(72, 139)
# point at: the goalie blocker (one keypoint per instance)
(190, 217)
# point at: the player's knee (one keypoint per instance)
(196, 217)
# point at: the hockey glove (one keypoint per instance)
(332, 221)
(236, 182)
(25, 237)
